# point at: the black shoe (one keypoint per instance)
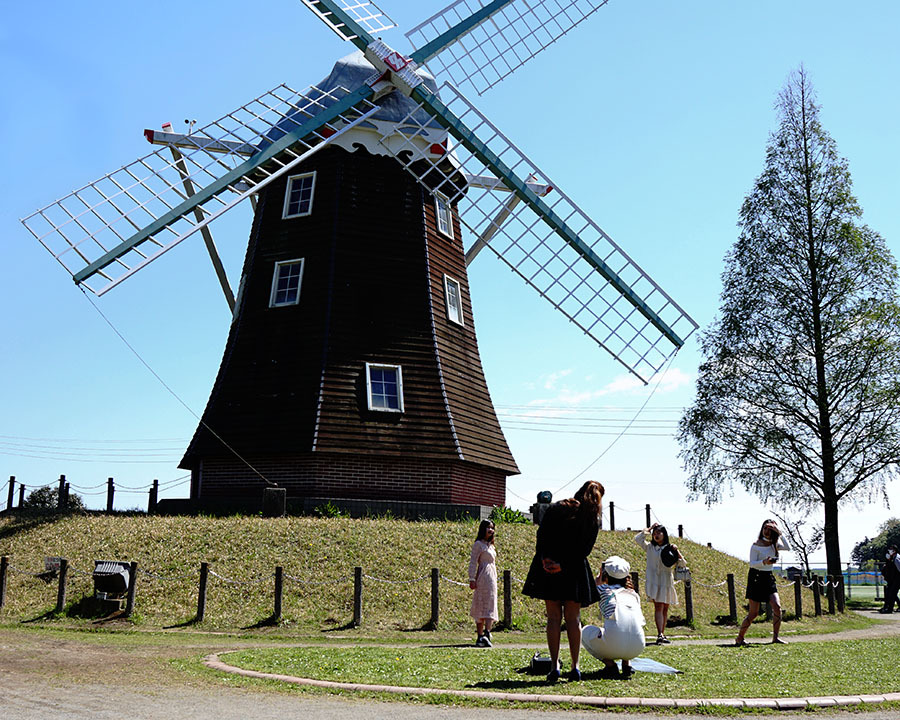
(574, 675)
(627, 672)
(553, 676)
(486, 641)
(610, 672)
(885, 611)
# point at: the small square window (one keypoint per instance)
(453, 295)
(298, 198)
(444, 217)
(286, 283)
(384, 386)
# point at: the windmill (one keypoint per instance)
(352, 368)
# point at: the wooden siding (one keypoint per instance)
(373, 274)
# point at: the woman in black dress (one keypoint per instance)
(559, 573)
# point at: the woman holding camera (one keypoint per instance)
(559, 573)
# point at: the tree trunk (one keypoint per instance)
(832, 542)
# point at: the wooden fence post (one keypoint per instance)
(840, 596)
(154, 497)
(21, 496)
(612, 515)
(681, 531)
(279, 586)
(689, 602)
(768, 611)
(61, 589)
(11, 496)
(798, 597)
(4, 568)
(817, 595)
(201, 591)
(61, 493)
(829, 593)
(132, 587)
(647, 513)
(435, 602)
(636, 582)
(357, 596)
(110, 494)
(507, 599)
(732, 600)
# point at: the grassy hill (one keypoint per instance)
(318, 556)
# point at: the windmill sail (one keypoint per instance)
(550, 242)
(365, 14)
(480, 42)
(109, 229)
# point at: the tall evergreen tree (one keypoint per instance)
(798, 397)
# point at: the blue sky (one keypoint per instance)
(652, 116)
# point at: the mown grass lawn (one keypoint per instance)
(843, 667)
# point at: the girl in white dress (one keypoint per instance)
(660, 579)
(483, 580)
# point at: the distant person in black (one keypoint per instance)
(891, 572)
(559, 573)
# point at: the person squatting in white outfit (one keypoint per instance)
(622, 634)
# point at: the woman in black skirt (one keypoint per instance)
(559, 573)
(761, 580)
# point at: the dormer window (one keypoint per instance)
(384, 387)
(453, 296)
(286, 283)
(298, 198)
(444, 218)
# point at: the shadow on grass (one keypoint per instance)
(346, 626)
(25, 520)
(271, 621)
(535, 682)
(187, 623)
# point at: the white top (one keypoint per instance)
(759, 553)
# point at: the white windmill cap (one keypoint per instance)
(616, 567)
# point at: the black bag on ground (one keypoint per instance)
(539, 665)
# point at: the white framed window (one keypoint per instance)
(286, 283)
(442, 211)
(453, 296)
(298, 197)
(384, 387)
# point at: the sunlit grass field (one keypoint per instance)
(318, 556)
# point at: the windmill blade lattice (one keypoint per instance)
(492, 39)
(109, 229)
(367, 14)
(602, 290)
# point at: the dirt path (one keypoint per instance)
(51, 676)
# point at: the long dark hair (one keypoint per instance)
(590, 498)
(482, 531)
(776, 533)
(662, 529)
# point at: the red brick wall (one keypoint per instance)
(353, 476)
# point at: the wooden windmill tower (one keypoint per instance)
(352, 369)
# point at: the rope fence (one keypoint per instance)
(60, 570)
(65, 488)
